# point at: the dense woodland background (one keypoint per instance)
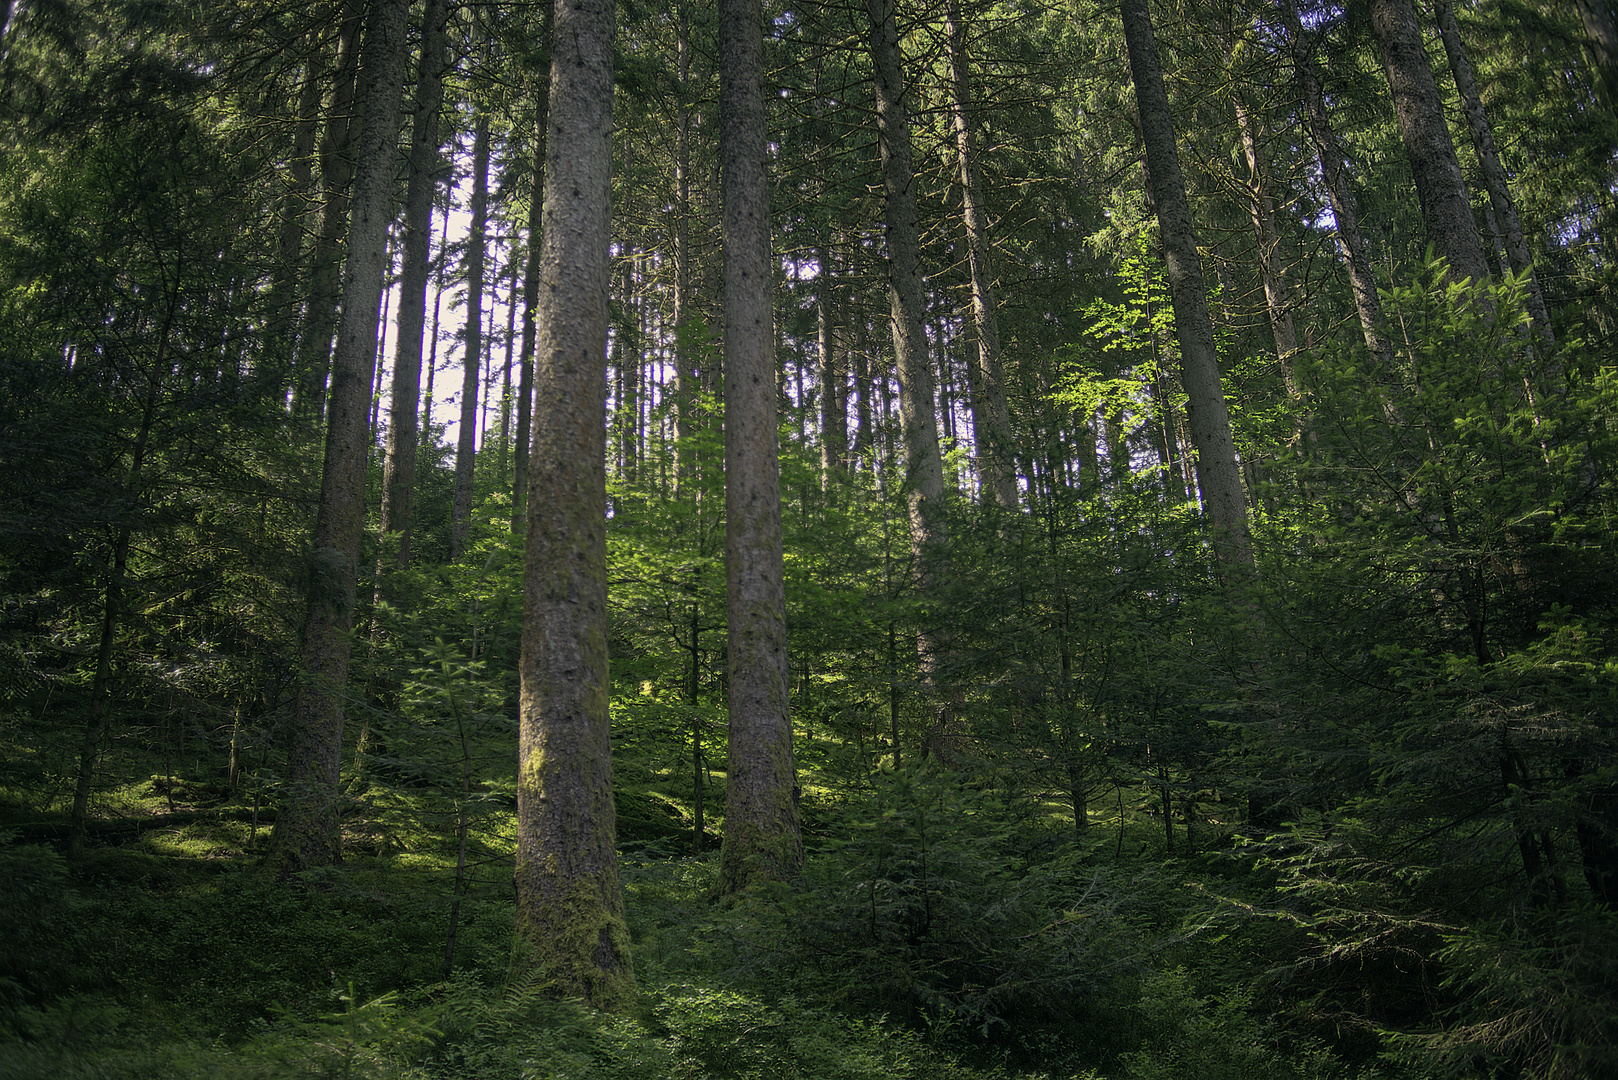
(1087, 787)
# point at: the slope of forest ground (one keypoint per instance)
(939, 931)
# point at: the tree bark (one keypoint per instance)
(687, 379)
(863, 443)
(472, 360)
(833, 375)
(1445, 208)
(1261, 211)
(1494, 174)
(320, 315)
(282, 303)
(924, 466)
(626, 360)
(1601, 28)
(530, 303)
(762, 841)
(1218, 472)
(918, 414)
(1333, 170)
(570, 910)
(307, 833)
(991, 420)
(112, 611)
(404, 436)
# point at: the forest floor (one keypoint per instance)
(939, 932)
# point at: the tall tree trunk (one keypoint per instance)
(1218, 472)
(282, 303)
(627, 360)
(472, 360)
(833, 375)
(399, 464)
(918, 416)
(570, 908)
(860, 349)
(991, 420)
(1601, 28)
(923, 465)
(762, 841)
(1261, 211)
(1367, 302)
(687, 379)
(1494, 175)
(336, 177)
(530, 304)
(511, 344)
(306, 832)
(113, 607)
(1445, 208)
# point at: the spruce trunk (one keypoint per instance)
(570, 910)
(1218, 472)
(306, 832)
(762, 841)
(404, 433)
(1494, 174)
(472, 361)
(991, 420)
(1446, 209)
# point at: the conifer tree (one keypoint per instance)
(570, 908)
(990, 416)
(472, 358)
(404, 431)
(1494, 174)
(1446, 209)
(307, 832)
(1217, 470)
(761, 814)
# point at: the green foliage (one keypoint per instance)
(1547, 983)
(34, 895)
(1216, 1039)
(361, 1038)
(725, 1034)
(921, 911)
(1421, 703)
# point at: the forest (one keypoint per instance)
(955, 539)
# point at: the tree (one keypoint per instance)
(1334, 173)
(399, 466)
(918, 416)
(530, 299)
(761, 820)
(1601, 27)
(570, 914)
(472, 358)
(337, 156)
(991, 421)
(1445, 208)
(923, 465)
(1494, 174)
(1217, 470)
(307, 833)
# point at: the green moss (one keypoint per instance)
(752, 854)
(571, 938)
